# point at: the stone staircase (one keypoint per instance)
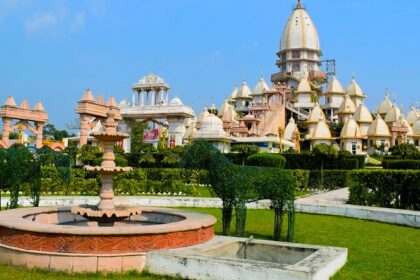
(303, 114)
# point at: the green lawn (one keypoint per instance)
(376, 251)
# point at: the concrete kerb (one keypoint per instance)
(386, 215)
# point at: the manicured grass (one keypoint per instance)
(376, 251)
(12, 273)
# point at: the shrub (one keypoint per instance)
(147, 160)
(267, 160)
(347, 164)
(301, 179)
(385, 188)
(401, 164)
(328, 179)
(405, 151)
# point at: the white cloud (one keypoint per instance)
(78, 21)
(41, 21)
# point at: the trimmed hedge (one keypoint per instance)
(266, 160)
(328, 179)
(385, 188)
(310, 162)
(154, 180)
(401, 164)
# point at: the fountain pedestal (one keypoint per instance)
(106, 213)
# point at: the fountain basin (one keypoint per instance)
(56, 230)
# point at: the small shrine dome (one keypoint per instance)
(224, 108)
(353, 89)
(176, 102)
(321, 131)
(385, 105)
(234, 93)
(362, 114)
(350, 129)
(230, 115)
(260, 87)
(316, 114)
(378, 128)
(244, 91)
(334, 86)
(347, 106)
(211, 127)
(401, 122)
(290, 129)
(412, 115)
(304, 86)
(416, 128)
(393, 114)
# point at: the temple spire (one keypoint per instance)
(299, 4)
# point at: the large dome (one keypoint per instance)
(300, 32)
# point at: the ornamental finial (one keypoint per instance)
(299, 4)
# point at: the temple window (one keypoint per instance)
(296, 54)
(310, 66)
(311, 55)
(296, 66)
(284, 57)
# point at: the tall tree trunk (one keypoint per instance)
(226, 218)
(278, 220)
(240, 211)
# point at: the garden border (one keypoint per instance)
(386, 215)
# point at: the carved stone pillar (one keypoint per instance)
(133, 99)
(6, 131)
(38, 135)
(84, 129)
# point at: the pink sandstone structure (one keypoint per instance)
(89, 107)
(105, 213)
(24, 115)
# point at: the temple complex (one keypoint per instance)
(305, 91)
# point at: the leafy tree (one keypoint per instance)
(235, 185)
(20, 166)
(405, 151)
(147, 160)
(55, 134)
(73, 151)
(118, 150)
(245, 151)
(324, 153)
(136, 136)
(171, 160)
(13, 135)
(88, 154)
(46, 155)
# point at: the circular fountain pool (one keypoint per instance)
(55, 229)
(54, 238)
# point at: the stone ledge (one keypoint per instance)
(387, 215)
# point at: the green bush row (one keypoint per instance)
(267, 160)
(311, 162)
(138, 181)
(385, 188)
(328, 179)
(401, 164)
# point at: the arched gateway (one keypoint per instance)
(22, 118)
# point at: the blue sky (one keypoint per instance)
(53, 50)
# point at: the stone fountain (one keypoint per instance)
(106, 213)
(106, 237)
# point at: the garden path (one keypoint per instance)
(340, 196)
